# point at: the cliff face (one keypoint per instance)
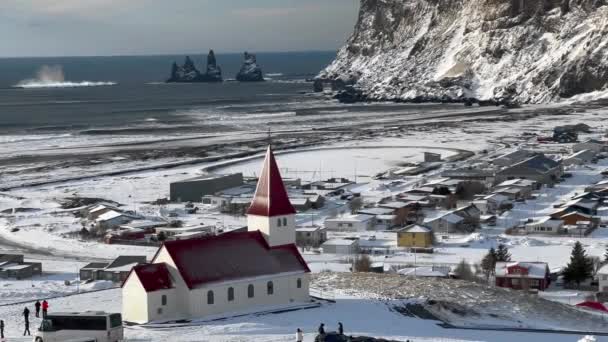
(528, 51)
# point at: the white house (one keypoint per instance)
(602, 277)
(226, 274)
(341, 246)
(360, 222)
(112, 219)
(546, 225)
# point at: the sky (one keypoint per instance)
(135, 27)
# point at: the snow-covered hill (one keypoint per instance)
(506, 50)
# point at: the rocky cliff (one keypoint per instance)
(188, 73)
(250, 71)
(526, 51)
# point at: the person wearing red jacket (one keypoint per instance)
(45, 308)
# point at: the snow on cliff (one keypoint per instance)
(505, 50)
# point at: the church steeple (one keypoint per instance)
(270, 195)
(271, 211)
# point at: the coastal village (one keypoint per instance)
(232, 244)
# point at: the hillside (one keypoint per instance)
(497, 50)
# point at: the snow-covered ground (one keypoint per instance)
(42, 232)
(360, 312)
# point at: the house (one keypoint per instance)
(482, 175)
(97, 210)
(496, 202)
(227, 273)
(576, 218)
(386, 222)
(465, 219)
(195, 231)
(341, 246)
(580, 158)
(594, 145)
(401, 211)
(112, 219)
(193, 190)
(445, 223)
(359, 222)
(489, 220)
(310, 236)
(602, 277)
(546, 225)
(331, 186)
(597, 187)
(523, 275)
(14, 266)
(538, 168)
(116, 271)
(430, 157)
(415, 236)
(581, 205)
(301, 203)
(511, 158)
(517, 188)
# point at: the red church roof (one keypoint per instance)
(232, 256)
(153, 277)
(270, 196)
(594, 306)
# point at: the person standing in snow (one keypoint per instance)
(340, 328)
(1, 329)
(299, 335)
(26, 316)
(37, 306)
(322, 329)
(45, 308)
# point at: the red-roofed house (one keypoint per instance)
(229, 273)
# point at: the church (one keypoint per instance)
(238, 272)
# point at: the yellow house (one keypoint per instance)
(415, 236)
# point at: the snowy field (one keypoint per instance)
(42, 233)
(347, 162)
(361, 315)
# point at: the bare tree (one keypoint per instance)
(362, 263)
(355, 204)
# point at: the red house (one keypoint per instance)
(523, 275)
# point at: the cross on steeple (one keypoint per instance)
(269, 137)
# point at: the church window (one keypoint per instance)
(230, 294)
(279, 222)
(270, 288)
(250, 291)
(163, 300)
(209, 297)
(284, 222)
(299, 283)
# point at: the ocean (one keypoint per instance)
(105, 95)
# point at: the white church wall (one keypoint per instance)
(162, 310)
(275, 235)
(181, 308)
(285, 292)
(135, 302)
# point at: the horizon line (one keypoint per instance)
(166, 54)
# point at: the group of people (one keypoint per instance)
(321, 330)
(26, 316)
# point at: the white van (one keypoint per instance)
(90, 325)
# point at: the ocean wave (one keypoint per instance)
(53, 77)
(276, 74)
(36, 85)
(23, 138)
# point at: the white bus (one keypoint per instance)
(85, 326)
